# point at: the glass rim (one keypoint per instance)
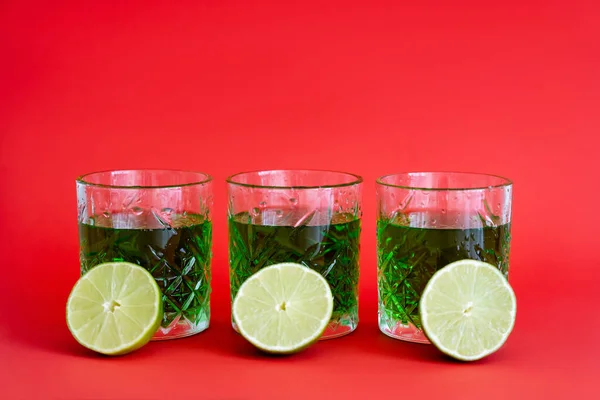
(357, 179)
(506, 182)
(81, 179)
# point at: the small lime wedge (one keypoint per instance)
(115, 308)
(468, 309)
(283, 308)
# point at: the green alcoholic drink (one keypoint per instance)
(332, 249)
(177, 255)
(408, 256)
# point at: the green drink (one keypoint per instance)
(160, 220)
(427, 220)
(177, 255)
(330, 248)
(308, 217)
(408, 256)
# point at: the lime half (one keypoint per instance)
(468, 309)
(283, 308)
(115, 308)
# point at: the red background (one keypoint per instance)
(509, 88)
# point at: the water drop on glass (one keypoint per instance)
(137, 210)
(106, 214)
(167, 210)
(256, 211)
(293, 200)
(262, 204)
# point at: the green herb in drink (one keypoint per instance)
(408, 256)
(331, 249)
(176, 254)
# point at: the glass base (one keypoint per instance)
(336, 328)
(398, 330)
(180, 328)
(340, 327)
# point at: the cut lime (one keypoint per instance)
(115, 308)
(468, 309)
(283, 308)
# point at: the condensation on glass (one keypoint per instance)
(305, 216)
(426, 220)
(160, 220)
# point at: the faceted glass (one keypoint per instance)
(160, 220)
(426, 220)
(303, 216)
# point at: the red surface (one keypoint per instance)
(510, 88)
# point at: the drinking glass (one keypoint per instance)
(426, 220)
(160, 220)
(309, 217)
